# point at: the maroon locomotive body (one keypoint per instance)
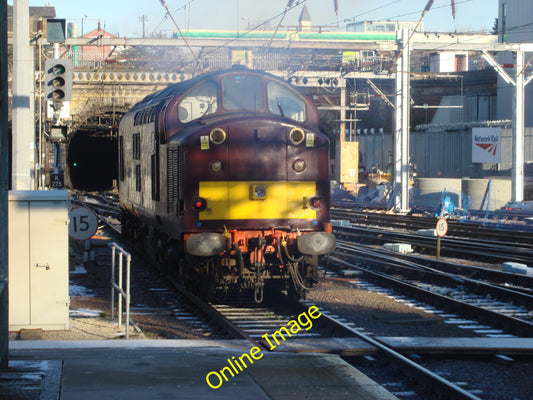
(226, 177)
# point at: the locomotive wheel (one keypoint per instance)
(182, 270)
(200, 275)
(209, 276)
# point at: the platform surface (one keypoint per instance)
(177, 369)
(460, 345)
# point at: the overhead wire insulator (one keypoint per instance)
(453, 9)
(428, 6)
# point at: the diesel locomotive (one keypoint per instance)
(225, 178)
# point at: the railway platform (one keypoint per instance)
(177, 369)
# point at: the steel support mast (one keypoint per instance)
(401, 126)
(4, 186)
(519, 82)
(517, 172)
(23, 91)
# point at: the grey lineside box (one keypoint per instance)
(38, 260)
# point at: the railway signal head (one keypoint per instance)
(58, 80)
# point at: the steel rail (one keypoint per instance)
(458, 228)
(517, 326)
(521, 283)
(332, 325)
(394, 261)
(444, 387)
(476, 248)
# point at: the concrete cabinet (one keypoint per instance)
(38, 260)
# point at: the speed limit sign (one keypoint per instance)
(442, 227)
(83, 223)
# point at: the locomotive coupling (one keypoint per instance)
(316, 243)
(205, 244)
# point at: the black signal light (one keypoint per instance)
(58, 79)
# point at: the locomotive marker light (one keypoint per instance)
(83, 223)
(298, 165)
(442, 229)
(216, 166)
(296, 136)
(217, 136)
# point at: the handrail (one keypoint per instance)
(118, 285)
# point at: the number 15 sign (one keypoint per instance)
(83, 223)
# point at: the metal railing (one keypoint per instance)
(117, 285)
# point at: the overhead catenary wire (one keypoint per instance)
(164, 4)
(426, 10)
(287, 8)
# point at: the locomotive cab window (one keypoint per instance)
(283, 101)
(242, 92)
(200, 101)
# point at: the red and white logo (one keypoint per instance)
(486, 145)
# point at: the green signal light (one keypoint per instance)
(59, 69)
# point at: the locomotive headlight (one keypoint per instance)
(216, 166)
(296, 136)
(298, 165)
(217, 136)
(258, 192)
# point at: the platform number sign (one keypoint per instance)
(83, 223)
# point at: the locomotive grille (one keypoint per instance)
(181, 168)
(172, 178)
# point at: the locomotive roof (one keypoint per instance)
(180, 87)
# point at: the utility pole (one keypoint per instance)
(23, 91)
(143, 18)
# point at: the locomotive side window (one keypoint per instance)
(121, 157)
(200, 101)
(242, 92)
(136, 146)
(282, 101)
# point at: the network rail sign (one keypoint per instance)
(486, 145)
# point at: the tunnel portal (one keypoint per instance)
(92, 159)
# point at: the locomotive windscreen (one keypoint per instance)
(242, 92)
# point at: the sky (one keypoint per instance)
(123, 17)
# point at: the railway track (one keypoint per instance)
(477, 249)
(330, 333)
(498, 306)
(506, 231)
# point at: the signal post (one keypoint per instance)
(57, 94)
